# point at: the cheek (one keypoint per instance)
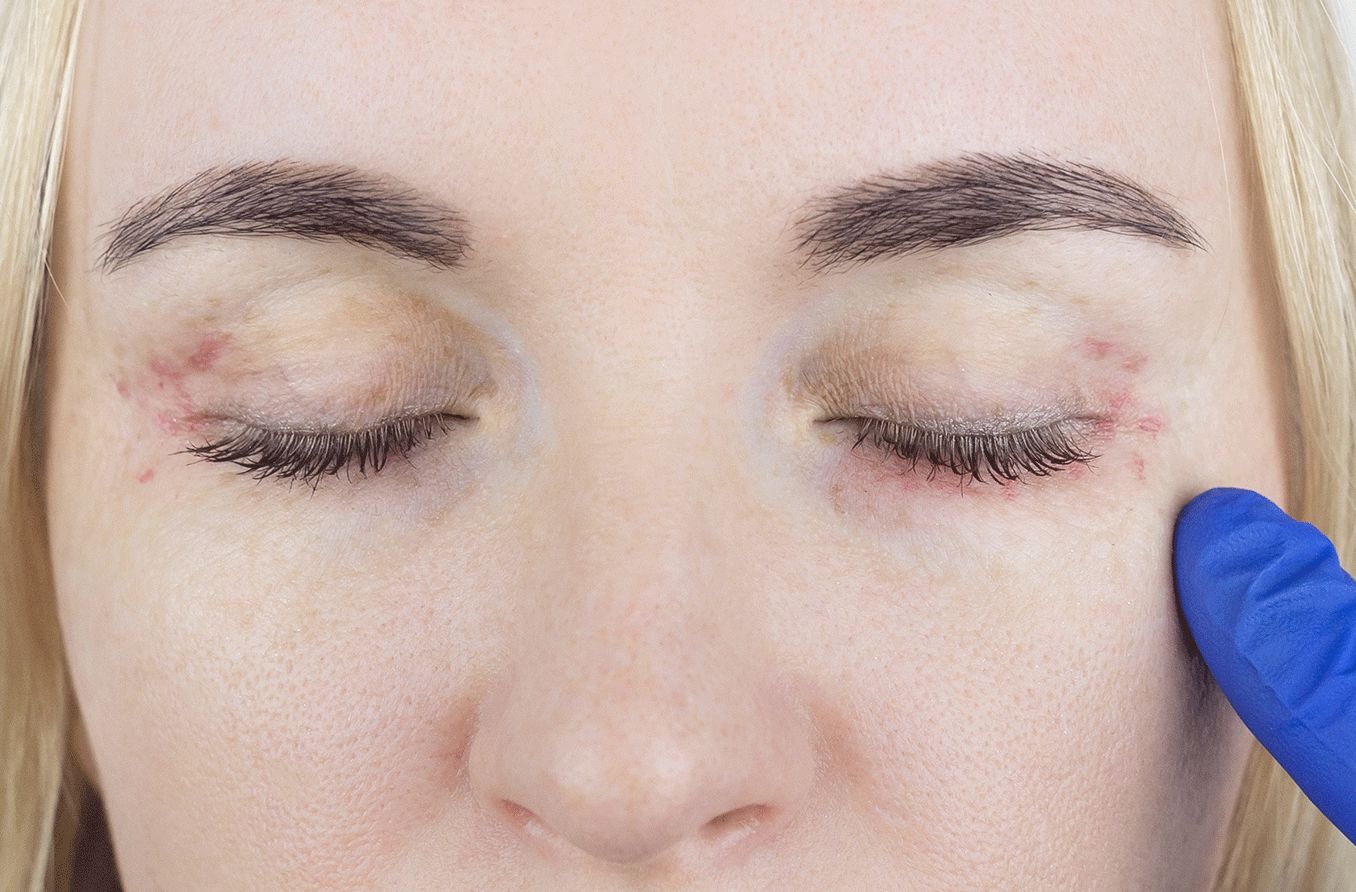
(299, 711)
(297, 708)
(1031, 691)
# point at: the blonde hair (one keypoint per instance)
(1296, 93)
(39, 783)
(1296, 97)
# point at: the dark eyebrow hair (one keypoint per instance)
(291, 198)
(976, 197)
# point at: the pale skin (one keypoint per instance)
(650, 621)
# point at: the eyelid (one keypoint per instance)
(998, 448)
(992, 424)
(311, 453)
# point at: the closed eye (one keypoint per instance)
(308, 455)
(1003, 455)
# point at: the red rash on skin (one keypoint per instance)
(1097, 348)
(208, 351)
(1151, 424)
(868, 474)
(167, 381)
(1134, 363)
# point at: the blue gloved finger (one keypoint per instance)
(1274, 616)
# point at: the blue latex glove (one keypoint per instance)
(1274, 615)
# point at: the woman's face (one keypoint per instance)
(640, 611)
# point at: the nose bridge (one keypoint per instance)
(641, 468)
(646, 603)
(635, 716)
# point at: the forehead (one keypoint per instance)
(683, 113)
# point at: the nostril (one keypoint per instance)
(732, 826)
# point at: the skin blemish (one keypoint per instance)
(1097, 348)
(1102, 348)
(1151, 424)
(167, 379)
(1134, 362)
(1115, 413)
(175, 423)
(170, 377)
(208, 351)
(146, 475)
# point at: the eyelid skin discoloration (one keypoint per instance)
(337, 365)
(164, 387)
(1100, 398)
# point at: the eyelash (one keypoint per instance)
(1004, 455)
(310, 455)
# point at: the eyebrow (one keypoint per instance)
(977, 197)
(286, 197)
(968, 199)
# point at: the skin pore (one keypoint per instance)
(641, 615)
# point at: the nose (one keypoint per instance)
(638, 722)
(628, 766)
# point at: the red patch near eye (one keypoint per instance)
(1097, 348)
(171, 377)
(1101, 348)
(208, 351)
